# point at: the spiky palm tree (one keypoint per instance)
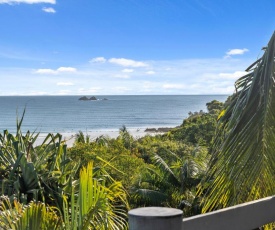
(29, 172)
(243, 160)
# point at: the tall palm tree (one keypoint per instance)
(243, 158)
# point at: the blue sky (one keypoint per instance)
(104, 47)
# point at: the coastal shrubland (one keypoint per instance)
(126, 172)
(43, 179)
(163, 169)
(118, 173)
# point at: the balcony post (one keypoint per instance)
(151, 218)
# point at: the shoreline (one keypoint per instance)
(69, 137)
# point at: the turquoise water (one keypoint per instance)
(68, 114)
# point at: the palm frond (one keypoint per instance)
(95, 205)
(161, 163)
(243, 159)
(35, 215)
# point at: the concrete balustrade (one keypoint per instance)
(158, 218)
(247, 216)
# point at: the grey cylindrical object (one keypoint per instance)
(155, 218)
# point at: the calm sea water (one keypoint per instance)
(68, 114)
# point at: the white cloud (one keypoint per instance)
(49, 10)
(189, 76)
(127, 70)
(66, 69)
(27, 1)
(98, 60)
(127, 62)
(59, 70)
(174, 86)
(150, 72)
(45, 71)
(232, 52)
(235, 75)
(64, 83)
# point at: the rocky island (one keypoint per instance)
(93, 98)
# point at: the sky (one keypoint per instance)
(130, 47)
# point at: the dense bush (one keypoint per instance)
(159, 170)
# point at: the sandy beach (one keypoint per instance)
(69, 138)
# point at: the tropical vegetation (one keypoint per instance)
(214, 159)
(42, 188)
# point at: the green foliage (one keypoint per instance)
(214, 107)
(122, 163)
(172, 177)
(95, 205)
(38, 173)
(243, 160)
(81, 138)
(154, 170)
(197, 129)
(200, 127)
(45, 173)
(33, 216)
(91, 205)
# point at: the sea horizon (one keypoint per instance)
(67, 114)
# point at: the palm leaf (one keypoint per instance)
(161, 163)
(95, 205)
(243, 158)
(32, 216)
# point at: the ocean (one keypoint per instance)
(67, 114)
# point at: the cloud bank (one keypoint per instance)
(152, 77)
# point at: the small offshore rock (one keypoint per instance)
(84, 98)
